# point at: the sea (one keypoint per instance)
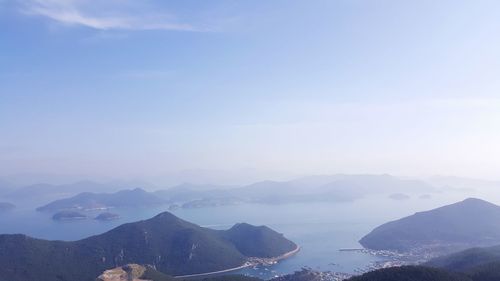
(320, 229)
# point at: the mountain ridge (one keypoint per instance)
(89, 201)
(170, 244)
(465, 224)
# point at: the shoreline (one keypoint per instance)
(288, 254)
(245, 265)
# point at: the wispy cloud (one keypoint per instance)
(110, 17)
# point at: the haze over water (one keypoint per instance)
(321, 229)
(224, 94)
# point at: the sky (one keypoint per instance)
(140, 89)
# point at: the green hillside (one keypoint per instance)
(468, 259)
(171, 245)
(410, 273)
(470, 223)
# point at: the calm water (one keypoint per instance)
(320, 229)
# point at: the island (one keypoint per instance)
(425, 196)
(173, 207)
(4, 207)
(68, 216)
(88, 201)
(107, 216)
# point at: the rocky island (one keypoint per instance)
(399, 196)
(107, 216)
(68, 216)
(4, 207)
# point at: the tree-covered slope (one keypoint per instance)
(467, 259)
(410, 273)
(258, 241)
(472, 222)
(171, 245)
(485, 272)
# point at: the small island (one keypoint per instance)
(4, 207)
(68, 215)
(425, 196)
(399, 196)
(107, 216)
(173, 207)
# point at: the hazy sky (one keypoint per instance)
(140, 88)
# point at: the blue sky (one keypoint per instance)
(141, 88)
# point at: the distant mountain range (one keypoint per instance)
(472, 222)
(462, 183)
(329, 188)
(336, 188)
(173, 246)
(42, 193)
(95, 201)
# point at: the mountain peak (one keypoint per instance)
(165, 216)
(471, 203)
(472, 200)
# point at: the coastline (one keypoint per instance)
(251, 262)
(288, 254)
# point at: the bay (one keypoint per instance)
(321, 229)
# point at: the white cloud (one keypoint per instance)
(111, 17)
